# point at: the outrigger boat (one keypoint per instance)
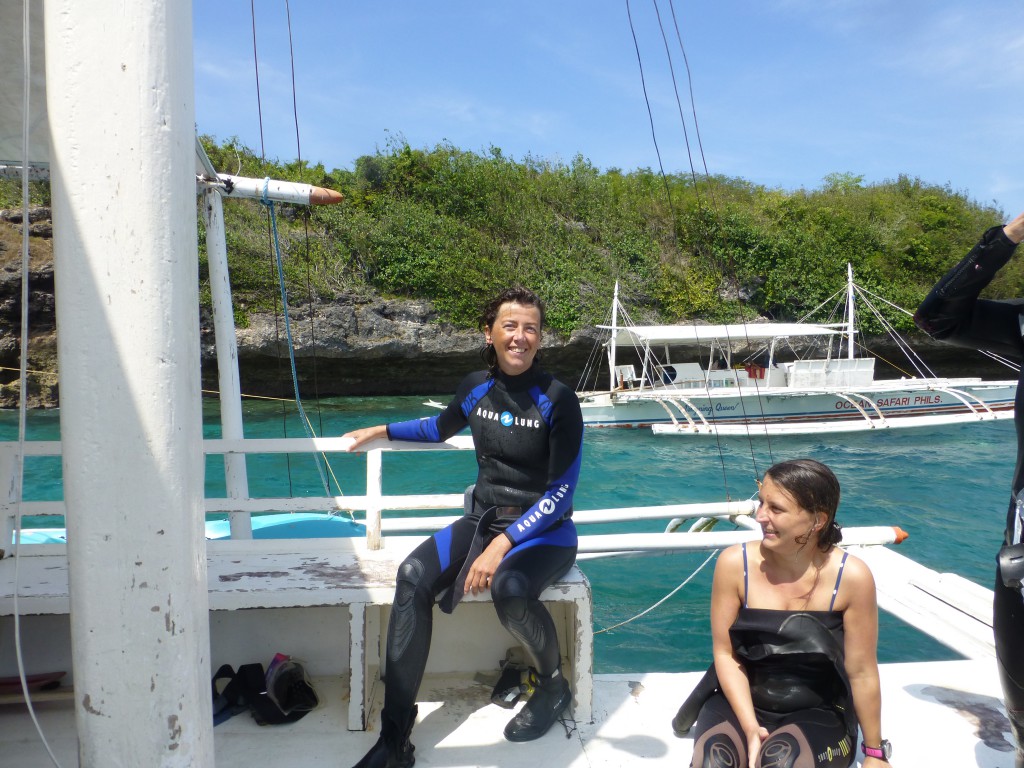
(745, 387)
(112, 637)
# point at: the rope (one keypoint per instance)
(307, 426)
(305, 224)
(263, 161)
(663, 600)
(730, 272)
(26, 52)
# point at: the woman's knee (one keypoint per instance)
(719, 747)
(787, 747)
(510, 585)
(412, 582)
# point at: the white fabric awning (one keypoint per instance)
(726, 334)
(12, 86)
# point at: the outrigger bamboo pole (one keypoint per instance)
(279, 191)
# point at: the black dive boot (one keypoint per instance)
(550, 697)
(1017, 729)
(392, 749)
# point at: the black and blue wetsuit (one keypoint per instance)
(528, 435)
(953, 312)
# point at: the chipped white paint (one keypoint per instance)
(344, 574)
(120, 103)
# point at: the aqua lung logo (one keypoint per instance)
(506, 419)
(545, 507)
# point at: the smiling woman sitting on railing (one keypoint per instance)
(516, 537)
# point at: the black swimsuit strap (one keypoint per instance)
(839, 576)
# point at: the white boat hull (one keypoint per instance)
(784, 410)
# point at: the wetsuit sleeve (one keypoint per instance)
(952, 311)
(435, 429)
(561, 409)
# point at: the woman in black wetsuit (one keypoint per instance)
(794, 626)
(953, 312)
(516, 537)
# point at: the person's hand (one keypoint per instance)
(482, 570)
(874, 762)
(754, 739)
(362, 436)
(1015, 229)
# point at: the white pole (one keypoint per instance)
(612, 376)
(235, 476)
(849, 311)
(122, 117)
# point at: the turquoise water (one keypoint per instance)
(947, 487)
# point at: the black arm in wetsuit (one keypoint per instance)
(952, 311)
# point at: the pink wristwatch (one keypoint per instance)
(882, 752)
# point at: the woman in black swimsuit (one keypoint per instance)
(794, 625)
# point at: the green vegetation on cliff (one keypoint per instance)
(451, 226)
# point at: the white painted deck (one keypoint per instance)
(935, 714)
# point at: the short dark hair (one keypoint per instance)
(815, 488)
(514, 295)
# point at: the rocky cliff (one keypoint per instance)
(351, 346)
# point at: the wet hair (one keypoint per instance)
(815, 488)
(514, 295)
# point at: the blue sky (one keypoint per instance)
(786, 91)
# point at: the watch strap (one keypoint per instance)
(881, 752)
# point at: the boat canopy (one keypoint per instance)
(726, 334)
(12, 75)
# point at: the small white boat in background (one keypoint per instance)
(746, 388)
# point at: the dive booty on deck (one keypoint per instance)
(393, 749)
(549, 700)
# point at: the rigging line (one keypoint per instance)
(1002, 360)
(256, 64)
(679, 103)
(912, 356)
(19, 470)
(714, 204)
(592, 368)
(650, 117)
(728, 270)
(263, 161)
(660, 602)
(915, 360)
(288, 333)
(29, 370)
(305, 223)
(693, 103)
(664, 178)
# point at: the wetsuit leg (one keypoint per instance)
(524, 573)
(811, 738)
(718, 740)
(1008, 626)
(425, 573)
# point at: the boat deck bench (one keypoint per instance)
(326, 574)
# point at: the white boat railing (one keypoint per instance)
(374, 502)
